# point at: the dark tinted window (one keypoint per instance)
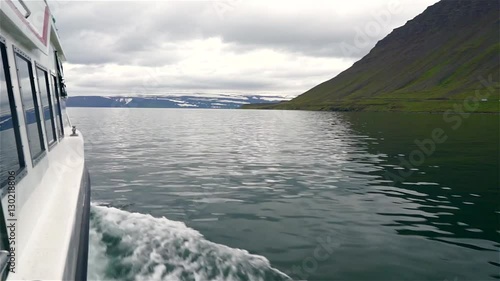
(65, 118)
(57, 104)
(46, 99)
(30, 106)
(11, 155)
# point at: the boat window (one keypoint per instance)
(60, 76)
(45, 97)
(66, 121)
(11, 153)
(30, 105)
(59, 122)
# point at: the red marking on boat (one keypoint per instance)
(45, 33)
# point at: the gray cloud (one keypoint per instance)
(174, 35)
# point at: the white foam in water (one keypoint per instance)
(133, 246)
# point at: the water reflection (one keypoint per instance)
(275, 182)
(453, 196)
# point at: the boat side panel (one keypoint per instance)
(46, 198)
(25, 187)
(76, 263)
(34, 174)
(49, 239)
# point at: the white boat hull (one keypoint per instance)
(45, 200)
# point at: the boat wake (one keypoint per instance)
(133, 246)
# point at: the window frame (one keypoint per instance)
(58, 105)
(22, 171)
(34, 95)
(60, 76)
(49, 98)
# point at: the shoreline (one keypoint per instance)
(372, 111)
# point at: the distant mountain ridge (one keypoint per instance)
(219, 101)
(429, 64)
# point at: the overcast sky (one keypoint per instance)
(229, 46)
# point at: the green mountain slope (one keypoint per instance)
(431, 63)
